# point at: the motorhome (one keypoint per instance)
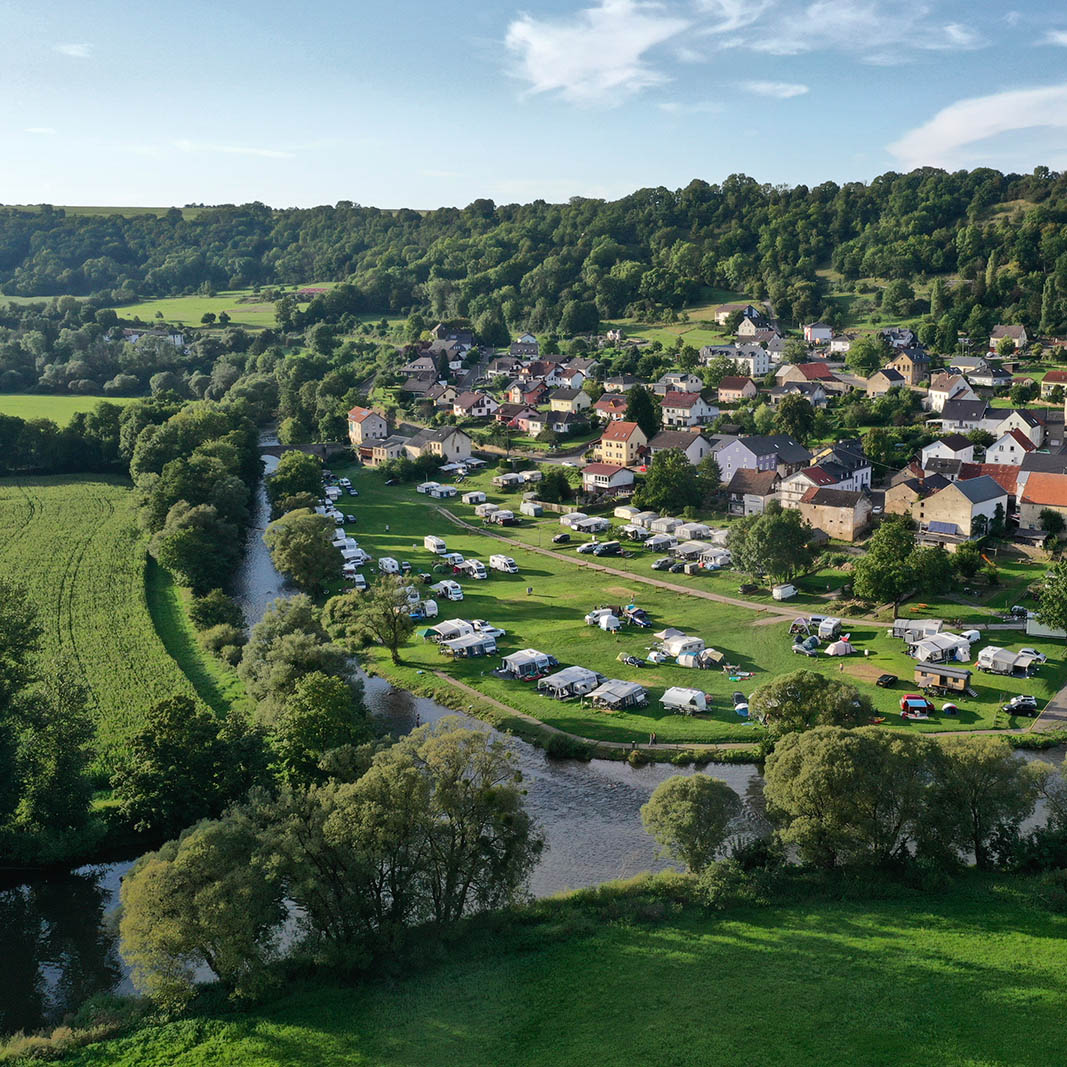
(474, 568)
(436, 545)
(448, 589)
(388, 565)
(504, 563)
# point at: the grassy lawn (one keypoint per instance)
(241, 305)
(60, 409)
(968, 977)
(394, 520)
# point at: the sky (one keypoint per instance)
(423, 103)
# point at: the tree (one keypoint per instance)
(709, 479)
(867, 353)
(981, 438)
(1052, 522)
(297, 472)
(207, 318)
(669, 484)
(199, 547)
(383, 615)
(555, 486)
(981, 787)
(1005, 347)
(1052, 606)
(300, 544)
(774, 543)
(1022, 393)
(206, 899)
(795, 416)
(690, 817)
(882, 574)
(805, 699)
(932, 568)
(849, 797)
(641, 408)
(19, 633)
(320, 714)
(795, 350)
(216, 609)
(967, 560)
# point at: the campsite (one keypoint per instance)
(395, 520)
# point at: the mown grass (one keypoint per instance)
(60, 409)
(393, 521)
(973, 976)
(74, 545)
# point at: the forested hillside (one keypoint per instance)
(996, 242)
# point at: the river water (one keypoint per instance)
(57, 935)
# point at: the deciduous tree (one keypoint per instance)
(690, 817)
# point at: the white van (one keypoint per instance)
(504, 563)
(388, 565)
(436, 545)
(448, 589)
(454, 559)
(784, 592)
(475, 568)
(358, 582)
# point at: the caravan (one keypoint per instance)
(388, 565)
(436, 545)
(684, 701)
(505, 564)
(474, 568)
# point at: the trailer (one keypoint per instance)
(570, 682)
(942, 679)
(475, 496)
(469, 646)
(528, 664)
(615, 694)
(684, 701)
(436, 545)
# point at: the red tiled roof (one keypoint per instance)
(819, 476)
(359, 414)
(813, 371)
(1057, 377)
(735, 382)
(680, 400)
(1004, 474)
(1022, 440)
(620, 431)
(1049, 490)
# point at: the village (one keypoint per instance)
(610, 606)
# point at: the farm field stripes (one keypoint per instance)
(72, 542)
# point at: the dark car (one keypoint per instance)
(739, 698)
(405, 566)
(676, 568)
(608, 548)
(747, 588)
(561, 539)
(390, 481)
(350, 518)
(352, 492)
(886, 681)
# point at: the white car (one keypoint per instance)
(482, 627)
(1039, 656)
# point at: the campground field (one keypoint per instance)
(74, 544)
(60, 409)
(970, 976)
(392, 521)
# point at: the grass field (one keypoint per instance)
(60, 409)
(243, 308)
(393, 521)
(973, 977)
(74, 544)
(106, 210)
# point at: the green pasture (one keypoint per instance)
(244, 308)
(961, 978)
(60, 409)
(392, 520)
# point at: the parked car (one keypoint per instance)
(1021, 705)
(748, 588)
(1039, 656)
(739, 698)
(390, 481)
(561, 539)
(589, 546)
(661, 564)
(800, 650)
(608, 548)
(886, 681)
(676, 568)
(350, 518)
(352, 492)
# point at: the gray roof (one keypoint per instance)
(781, 445)
(1045, 462)
(674, 439)
(978, 490)
(963, 410)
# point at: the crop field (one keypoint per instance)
(73, 543)
(393, 521)
(60, 409)
(955, 979)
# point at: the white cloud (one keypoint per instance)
(731, 15)
(76, 51)
(233, 150)
(1056, 37)
(941, 141)
(597, 56)
(699, 107)
(779, 90)
(43, 130)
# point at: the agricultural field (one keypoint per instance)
(966, 976)
(60, 409)
(74, 544)
(106, 210)
(241, 305)
(392, 520)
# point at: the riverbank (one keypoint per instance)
(641, 973)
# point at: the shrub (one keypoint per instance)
(1052, 891)
(636, 758)
(214, 609)
(561, 746)
(224, 641)
(726, 884)
(682, 759)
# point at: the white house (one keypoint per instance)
(366, 426)
(606, 477)
(951, 446)
(817, 333)
(1010, 448)
(753, 360)
(687, 409)
(1026, 423)
(695, 445)
(945, 387)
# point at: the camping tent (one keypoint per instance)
(470, 645)
(840, 648)
(938, 648)
(615, 693)
(451, 629)
(675, 646)
(527, 663)
(570, 682)
(668, 633)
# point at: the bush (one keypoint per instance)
(215, 609)
(726, 884)
(224, 641)
(682, 759)
(636, 758)
(1052, 891)
(560, 746)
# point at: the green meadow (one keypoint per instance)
(60, 408)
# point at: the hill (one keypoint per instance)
(974, 975)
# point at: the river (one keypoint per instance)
(58, 939)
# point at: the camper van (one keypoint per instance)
(475, 568)
(448, 589)
(388, 565)
(453, 559)
(436, 545)
(684, 701)
(784, 592)
(359, 583)
(504, 563)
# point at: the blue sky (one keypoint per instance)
(417, 103)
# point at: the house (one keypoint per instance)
(847, 455)
(447, 443)
(1010, 448)
(842, 514)
(606, 478)
(813, 392)
(611, 407)
(882, 381)
(962, 416)
(804, 372)
(961, 509)
(463, 336)
(1026, 422)
(678, 382)
(898, 336)
(622, 383)
(366, 426)
(571, 377)
(570, 400)
(1051, 380)
(525, 420)
(474, 405)
(524, 349)
(419, 385)
(564, 422)
(508, 412)
(384, 450)
(942, 678)
(687, 409)
(990, 377)
(526, 392)
(752, 359)
(1017, 334)
(842, 467)
(840, 343)
(818, 333)
(951, 446)
(780, 453)
(542, 370)
(752, 322)
(749, 491)
(913, 364)
(621, 443)
(420, 365)
(695, 446)
(724, 311)
(900, 496)
(508, 365)
(443, 396)
(526, 339)
(945, 387)
(733, 389)
(1004, 474)
(1040, 492)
